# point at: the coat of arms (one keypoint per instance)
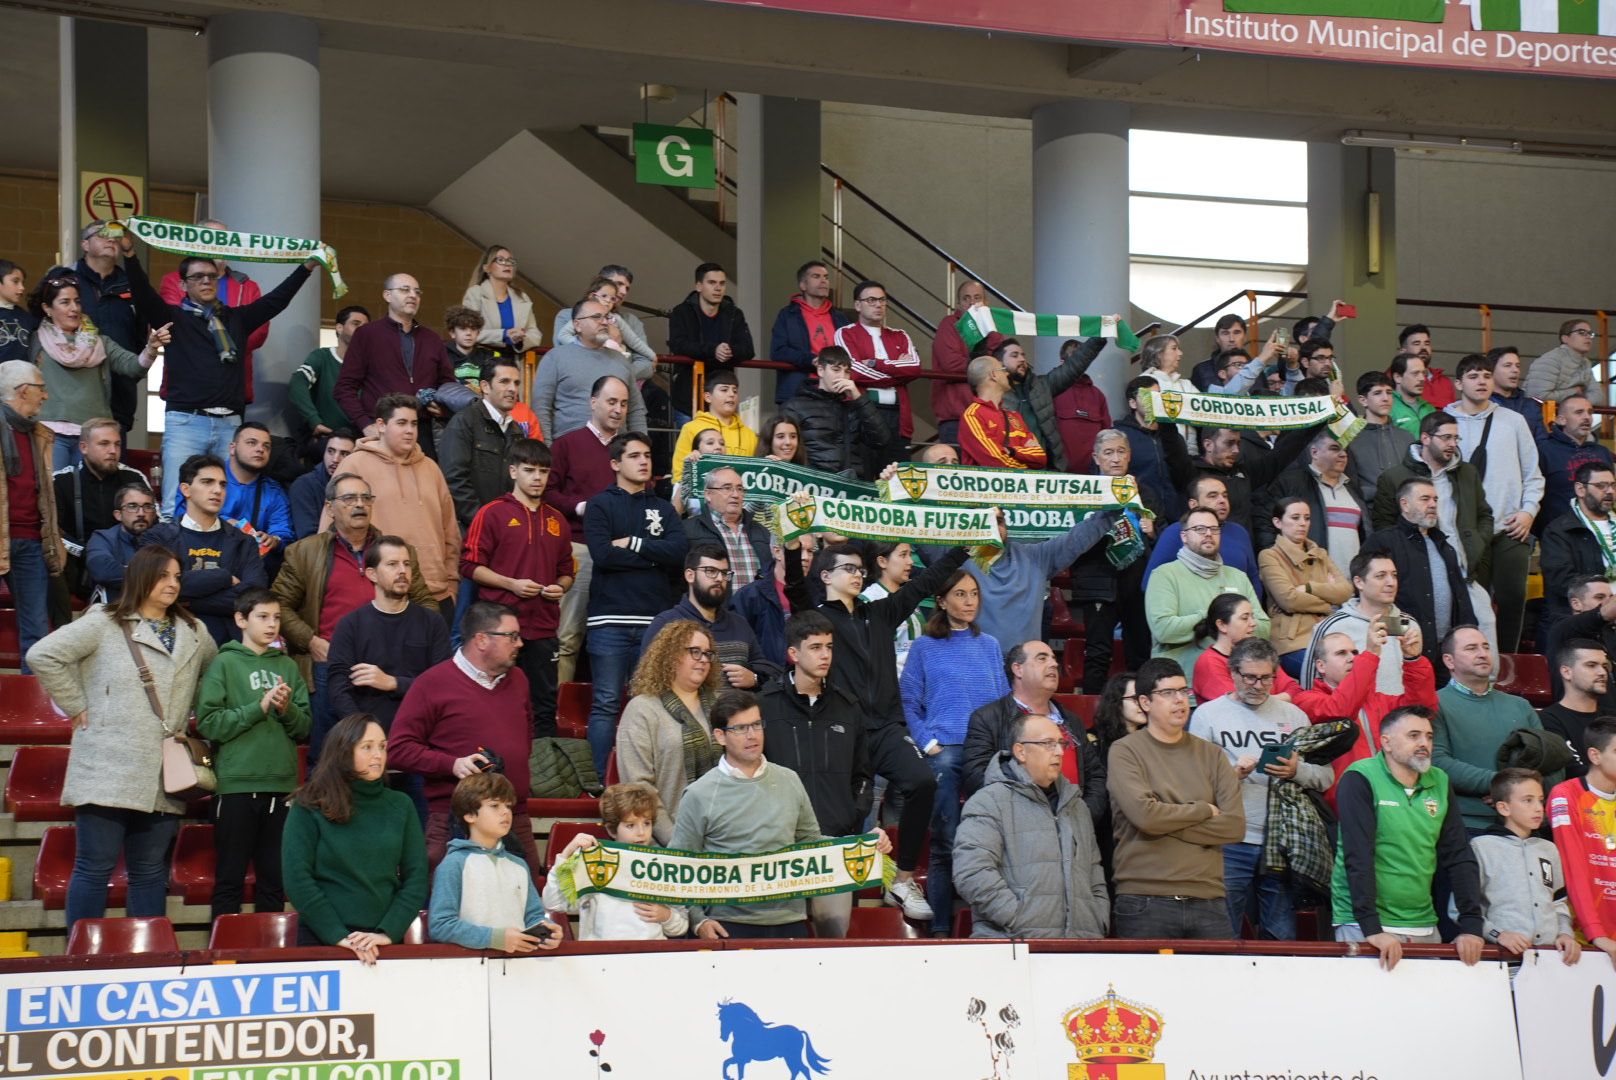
(801, 514)
(914, 480)
(1172, 403)
(1123, 489)
(600, 864)
(859, 859)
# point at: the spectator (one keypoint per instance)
(1505, 364)
(664, 738)
(471, 713)
(1230, 619)
(1026, 859)
(564, 388)
(412, 498)
(1315, 359)
(134, 508)
(1522, 910)
(1571, 443)
(781, 440)
(808, 324)
(1174, 803)
(727, 522)
(392, 357)
(487, 903)
(465, 325)
(1177, 595)
(1580, 813)
(627, 811)
(236, 289)
(1563, 370)
(949, 355)
(323, 580)
(708, 580)
(817, 733)
(768, 602)
(86, 497)
(1593, 617)
(1339, 664)
(1033, 395)
(220, 561)
(841, 429)
(253, 502)
(1208, 492)
(77, 363)
(1497, 442)
(379, 649)
(1116, 716)
(1431, 586)
(580, 469)
(1375, 583)
(1245, 724)
(954, 669)
(312, 390)
(519, 551)
(990, 433)
(477, 442)
(625, 333)
(507, 313)
(1100, 588)
(1160, 358)
(108, 302)
(207, 367)
(1229, 332)
(1248, 481)
(937, 453)
(1160, 457)
(709, 440)
(254, 705)
(884, 362)
(93, 669)
(1303, 582)
(1338, 517)
(1409, 407)
(1439, 389)
(17, 324)
(706, 326)
(1399, 829)
(307, 496)
(893, 564)
(722, 393)
(1381, 443)
(352, 856)
(1583, 668)
(1081, 410)
(634, 543)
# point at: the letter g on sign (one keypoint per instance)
(673, 154)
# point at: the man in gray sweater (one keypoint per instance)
(567, 372)
(1381, 444)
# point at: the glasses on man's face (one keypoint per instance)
(201, 278)
(704, 655)
(1256, 680)
(509, 635)
(743, 729)
(139, 508)
(726, 489)
(1048, 746)
(850, 568)
(872, 300)
(1581, 332)
(716, 573)
(1172, 693)
(1213, 529)
(350, 500)
(588, 318)
(407, 290)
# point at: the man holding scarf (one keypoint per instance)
(31, 549)
(1178, 594)
(1580, 542)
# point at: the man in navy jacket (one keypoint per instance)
(803, 327)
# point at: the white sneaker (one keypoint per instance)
(909, 896)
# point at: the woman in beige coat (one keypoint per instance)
(1302, 584)
(508, 323)
(664, 738)
(115, 765)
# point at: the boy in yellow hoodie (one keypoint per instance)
(722, 394)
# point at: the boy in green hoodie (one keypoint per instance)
(254, 704)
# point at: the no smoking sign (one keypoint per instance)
(108, 196)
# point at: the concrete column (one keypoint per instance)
(264, 169)
(1080, 223)
(777, 222)
(1340, 180)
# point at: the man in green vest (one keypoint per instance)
(1400, 826)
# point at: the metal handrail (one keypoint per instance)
(900, 271)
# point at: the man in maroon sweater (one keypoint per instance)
(395, 355)
(475, 700)
(580, 469)
(949, 353)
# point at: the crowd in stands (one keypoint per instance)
(1310, 625)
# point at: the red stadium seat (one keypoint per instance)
(572, 709)
(54, 868)
(561, 834)
(1061, 624)
(27, 714)
(612, 775)
(879, 924)
(264, 930)
(34, 785)
(192, 875)
(1526, 675)
(10, 640)
(962, 923)
(1081, 706)
(144, 460)
(115, 937)
(582, 807)
(416, 934)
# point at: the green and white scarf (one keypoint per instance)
(232, 245)
(662, 876)
(769, 482)
(1602, 534)
(972, 485)
(1253, 413)
(978, 322)
(899, 523)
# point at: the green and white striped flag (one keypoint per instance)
(1592, 18)
(980, 321)
(1406, 10)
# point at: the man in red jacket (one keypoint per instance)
(395, 355)
(950, 354)
(989, 433)
(884, 362)
(236, 289)
(1337, 657)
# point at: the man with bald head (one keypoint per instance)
(950, 354)
(564, 385)
(395, 354)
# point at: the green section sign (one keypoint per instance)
(674, 156)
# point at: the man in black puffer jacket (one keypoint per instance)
(837, 424)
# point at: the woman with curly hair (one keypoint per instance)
(664, 738)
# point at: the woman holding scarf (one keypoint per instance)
(664, 738)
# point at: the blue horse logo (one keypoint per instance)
(753, 1040)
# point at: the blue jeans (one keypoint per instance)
(65, 452)
(105, 832)
(463, 600)
(188, 434)
(1250, 891)
(321, 720)
(30, 591)
(613, 652)
(947, 765)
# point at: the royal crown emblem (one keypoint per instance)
(1115, 1039)
(601, 865)
(801, 514)
(1123, 489)
(859, 859)
(914, 480)
(1172, 403)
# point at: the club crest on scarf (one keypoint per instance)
(1124, 488)
(1172, 403)
(859, 860)
(601, 865)
(914, 481)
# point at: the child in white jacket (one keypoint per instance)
(629, 811)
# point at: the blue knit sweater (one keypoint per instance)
(947, 679)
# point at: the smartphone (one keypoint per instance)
(542, 931)
(1272, 755)
(1348, 311)
(1396, 625)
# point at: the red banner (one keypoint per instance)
(1462, 39)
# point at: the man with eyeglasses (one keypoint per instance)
(565, 382)
(472, 713)
(1581, 541)
(624, 331)
(884, 363)
(1246, 724)
(396, 354)
(1175, 803)
(1179, 593)
(706, 326)
(709, 583)
(207, 380)
(1570, 443)
(134, 509)
(726, 521)
(989, 433)
(1564, 369)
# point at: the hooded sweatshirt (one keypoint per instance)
(1523, 887)
(257, 751)
(412, 501)
(1511, 479)
(739, 440)
(478, 893)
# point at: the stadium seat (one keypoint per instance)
(264, 930)
(191, 878)
(10, 640)
(612, 775)
(54, 868)
(1081, 706)
(561, 834)
(115, 937)
(144, 460)
(1071, 668)
(584, 806)
(1061, 623)
(879, 924)
(27, 714)
(962, 923)
(1526, 675)
(416, 934)
(34, 784)
(572, 709)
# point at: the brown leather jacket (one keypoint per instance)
(49, 529)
